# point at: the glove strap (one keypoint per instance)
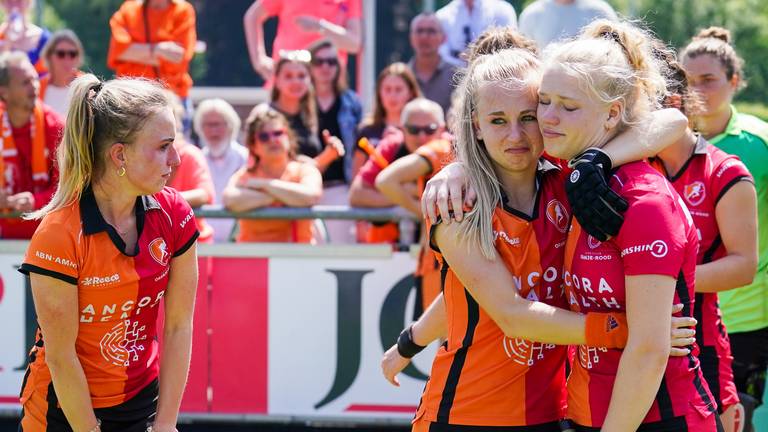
(607, 330)
(595, 156)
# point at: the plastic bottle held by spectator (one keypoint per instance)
(16, 27)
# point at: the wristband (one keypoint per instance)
(606, 330)
(405, 345)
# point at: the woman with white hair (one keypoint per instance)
(217, 125)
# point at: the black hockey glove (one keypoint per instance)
(595, 205)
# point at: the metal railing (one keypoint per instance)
(406, 220)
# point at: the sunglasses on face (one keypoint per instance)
(265, 136)
(330, 61)
(429, 129)
(62, 54)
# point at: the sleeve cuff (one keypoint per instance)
(29, 268)
(187, 245)
(729, 185)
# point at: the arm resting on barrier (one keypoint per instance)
(179, 302)
(395, 181)
(304, 194)
(363, 195)
(57, 313)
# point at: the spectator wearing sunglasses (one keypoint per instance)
(273, 178)
(423, 121)
(299, 24)
(338, 112)
(63, 55)
(17, 33)
(464, 20)
(433, 73)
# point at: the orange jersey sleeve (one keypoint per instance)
(52, 250)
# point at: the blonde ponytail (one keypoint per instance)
(100, 114)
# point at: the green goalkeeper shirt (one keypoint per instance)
(746, 309)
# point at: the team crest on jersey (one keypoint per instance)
(557, 214)
(159, 251)
(593, 243)
(695, 193)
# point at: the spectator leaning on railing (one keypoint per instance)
(423, 121)
(217, 125)
(273, 178)
(31, 132)
(191, 176)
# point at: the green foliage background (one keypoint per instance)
(226, 62)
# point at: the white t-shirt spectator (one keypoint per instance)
(547, 21)
(222, 168)
(463, 26)
(58, 98)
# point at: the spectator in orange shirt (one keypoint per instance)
(18, 34)
(63, 55)
(191, 177)
(154, 39)
(300, 23)
(274, 178)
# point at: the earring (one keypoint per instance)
(121, 171)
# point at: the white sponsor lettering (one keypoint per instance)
(724, 167)
(585, 289)
(55, 259)
(658, 248)
(100, 280)
(187, 218)
(514, 241)
(108, 310)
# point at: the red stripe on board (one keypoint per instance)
(9, 399)
(382, 408)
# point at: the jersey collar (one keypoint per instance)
(733, 127)
(544, 167)
(93, 221)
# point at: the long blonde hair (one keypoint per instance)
(614, 62)
(101, 114)
(514, 68)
